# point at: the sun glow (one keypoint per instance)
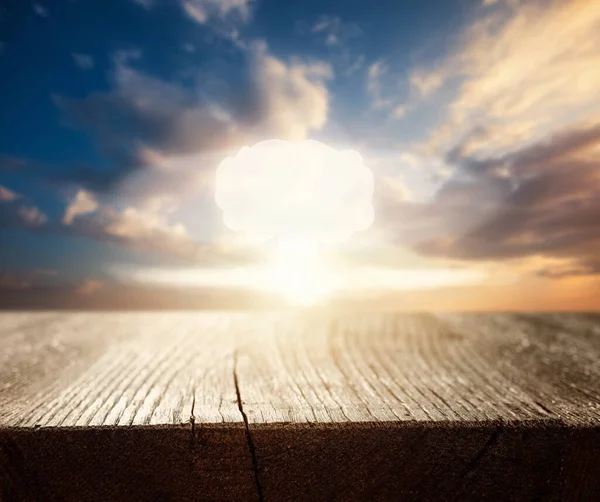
(300, 273)
(306, 198)
(300, 194)
(301, 276)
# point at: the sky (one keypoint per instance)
(478, 119)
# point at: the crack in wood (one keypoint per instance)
(193, 418)
(251, 445)
(474, 462)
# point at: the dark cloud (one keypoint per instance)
(140, 117)
(74, 296)
(20, 280)
(562, 272)
(76, 174)
(127, 124)
(541, 200)
(144, 121)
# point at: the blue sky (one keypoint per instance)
(477, 118)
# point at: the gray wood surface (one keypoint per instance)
(116, 369)
(299, 406)
(420, 367)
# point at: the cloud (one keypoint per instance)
(12, 163)
(289, 100)
(517, 144)
(354, 66)
(31, 216)
(570, 270)
(26, 288)
(88, 287)
(145, 120)
(523, 70)
(425, 82)
(142, 229)
(84, 61)
(202, 11)
(340, 39)
(335, 31)
(382, 95)
(165, 140)
(393, 188)
(12, 281)
(189, 48)
(146, 228)
(143, 113)
(15, 281)
(16, 211)
(40, 10)
(78, 174)
(83, 203)
(375, 74)
(130, 297)
(7, 195)
(303, 190)
(541, 200)
(147, 4)
(400, 111)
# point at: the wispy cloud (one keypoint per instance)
(334, 30)
(375, 74)
(89, 287)
(40, 10)
(16, 211)
(7, 195)
(84, 61)
(523, 70)
(202, 11)
(147, 4)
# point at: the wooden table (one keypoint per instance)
(304, 406)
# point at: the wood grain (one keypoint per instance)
(299, 406)
(420, 368)
(118, 369)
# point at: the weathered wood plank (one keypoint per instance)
(309, 406)
(417, 367)
(119, 369)
(121, 407)
(422, 407)
(559, 368)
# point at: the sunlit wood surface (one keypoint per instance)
(304, 406)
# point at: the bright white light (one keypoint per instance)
(303, 276)
(301, 194)
(305, 190)
(299, 272)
